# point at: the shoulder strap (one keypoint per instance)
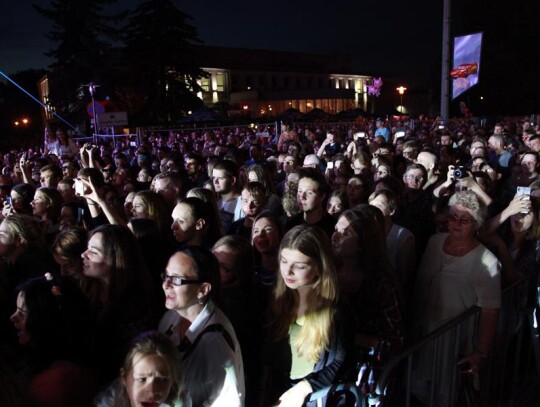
(211, 328)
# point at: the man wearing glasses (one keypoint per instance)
(417, 215)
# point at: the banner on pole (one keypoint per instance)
(466, 67)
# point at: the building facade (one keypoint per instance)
(263, 83)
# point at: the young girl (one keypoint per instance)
(149, 376)
(312, 339)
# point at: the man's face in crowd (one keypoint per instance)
(534, 145)
(192, 166)
(223, 184)
(251, 205)
(529, 163)
(163, 187)
(308, 196)
(289, 163)
(446, 140)
(47, 179)
(413, 178)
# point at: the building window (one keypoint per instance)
(205, 84)
(220, 82)
(262, 80)
(286, 82)
(274, 82)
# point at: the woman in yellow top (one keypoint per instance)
(312, 339)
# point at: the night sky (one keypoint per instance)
(384, 37)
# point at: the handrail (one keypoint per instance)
(395, 361)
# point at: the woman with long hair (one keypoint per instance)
(47, 205)
(24, 250)
(54, 324)
(367, 281)
(151, 205)
(67, 248)
(257, 173)
(114, 257)
(311, 336)
(21, 199)
(66, 146)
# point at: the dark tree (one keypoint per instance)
(161, 62)
(82, 33)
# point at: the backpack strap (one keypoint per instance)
(211, 328)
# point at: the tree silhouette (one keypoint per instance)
(159, 51)
(83, 34)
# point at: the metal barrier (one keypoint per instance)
(513, 364)
(517, 342)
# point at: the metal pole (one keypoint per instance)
(92, 89)
(445, 71)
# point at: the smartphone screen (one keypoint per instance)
(523, 191)
(79, 188)
(526, 191)
(358, 135)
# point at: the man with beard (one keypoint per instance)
(311, 196)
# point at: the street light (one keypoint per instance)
(401, 90)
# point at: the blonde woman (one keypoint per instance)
(312, 338)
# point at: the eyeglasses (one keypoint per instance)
(415, 177)
(177, 281)
(461, 221)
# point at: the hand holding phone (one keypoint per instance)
(79, 187)
(526, 193)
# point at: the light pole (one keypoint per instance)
(92, 90)
(445, 69)
(401, 90)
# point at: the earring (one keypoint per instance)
(201, 300)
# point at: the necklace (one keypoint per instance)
(447, 259)
(458, 250)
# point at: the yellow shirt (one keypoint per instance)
(300, 367)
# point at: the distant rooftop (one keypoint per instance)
(268, 60)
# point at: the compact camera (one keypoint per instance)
(460, 172)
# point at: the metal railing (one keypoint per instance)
(516, 342)
(513, 361)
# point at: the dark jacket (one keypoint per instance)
(333, 365)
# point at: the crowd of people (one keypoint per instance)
(227, 267)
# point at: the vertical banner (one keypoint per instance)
(466, 67)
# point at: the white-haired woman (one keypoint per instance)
(458, 272)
